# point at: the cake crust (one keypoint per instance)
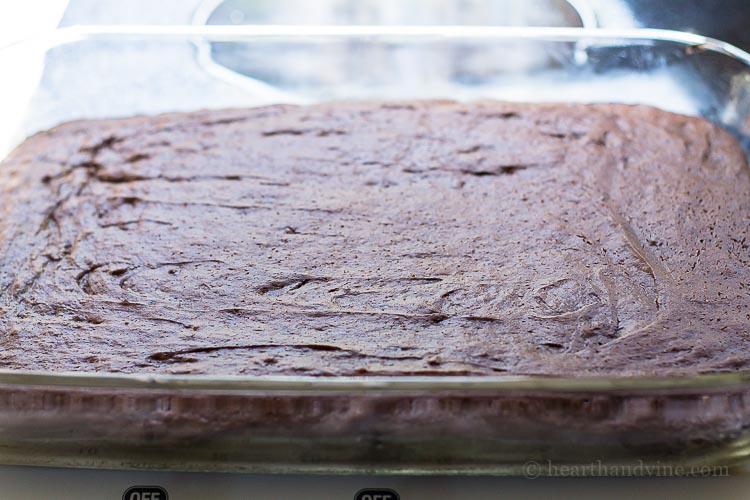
(378, 238)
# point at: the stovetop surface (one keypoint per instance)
(22, 483)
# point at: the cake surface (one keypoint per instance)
(378, 238)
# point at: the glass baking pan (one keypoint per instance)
(462, 425)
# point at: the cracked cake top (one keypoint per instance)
(378, 238)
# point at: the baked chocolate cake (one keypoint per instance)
(378, 238)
